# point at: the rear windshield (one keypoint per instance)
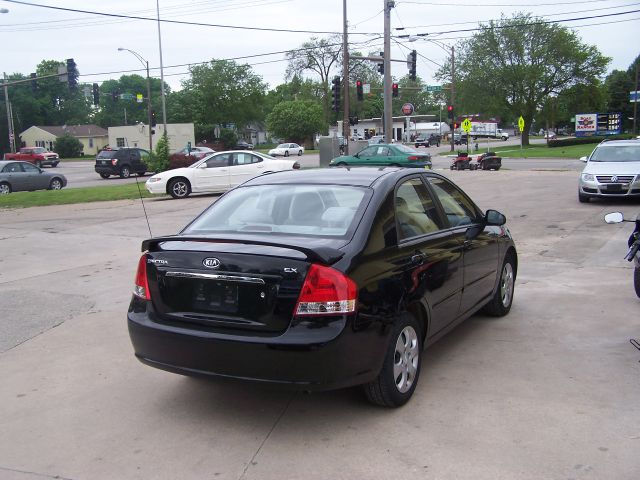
(313, 210)
(616, 153)
(107, 154)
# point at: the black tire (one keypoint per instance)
(5, 188)
(142, 174)
(502, 300)
(341, 164)
(400, 372)
(179, 188)
(105, 175)
(125, 171)
(55, 184)
(54, 164)
(582, 198)
(39, 164)
(286, 153)
(395, 165)
(299, 153)
(636, 280)
(450, 167)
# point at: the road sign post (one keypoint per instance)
(521, 127)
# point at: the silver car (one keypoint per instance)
(18, 176)
(612, 171)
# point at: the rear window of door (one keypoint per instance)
(458, 208)
(245, 159)
(416, 212)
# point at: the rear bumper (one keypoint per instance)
(106, 169)
(312, 355)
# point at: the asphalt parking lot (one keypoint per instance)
(548, 392)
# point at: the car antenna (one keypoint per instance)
(144, 209)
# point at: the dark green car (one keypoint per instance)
(385, 155)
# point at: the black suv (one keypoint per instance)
(422, 141)
(122, 162)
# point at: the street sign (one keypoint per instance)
(432, 88)
(407, 109)
(127, 96)
(521, 124)
(466, 125)
(634, 96)
(366, 88)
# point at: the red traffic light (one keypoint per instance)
(394, 90)
(358, 83)
(449, 108)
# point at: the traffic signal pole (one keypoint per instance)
(453, 96)
(388, 115)
(345, 81)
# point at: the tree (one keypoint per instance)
(223, 92)
(295, 120)
(320, 56)
(67, 146)
(229, 138)
(515, 64)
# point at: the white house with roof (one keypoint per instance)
(92, 137)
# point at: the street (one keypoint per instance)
(548, 392)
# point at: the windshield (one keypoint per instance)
(311, 210)
(39, 150)
(283, 145)
(616, 153)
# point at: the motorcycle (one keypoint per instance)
(634, 245)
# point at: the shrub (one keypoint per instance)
(67, 146)
(159, 160)
(565, 142)
(229, 138)
(179, 160)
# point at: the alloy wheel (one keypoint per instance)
(506, 284)
(406, 358)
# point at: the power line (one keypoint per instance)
(450, 4)
(181, 22)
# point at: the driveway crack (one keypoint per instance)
(56, 477)
(273, 427)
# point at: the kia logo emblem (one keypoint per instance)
(211, 262)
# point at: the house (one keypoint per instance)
(92, 137)
(179, 135)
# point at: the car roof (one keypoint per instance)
(4, 162)
(347, 176)
(613, 143)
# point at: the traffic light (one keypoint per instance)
(115, 95)
(394, 90)
(450, 111)
(96, 94)
(336, 94)
(153, 118)
(455, 125)
(359, 90)
(411, 63)
(34, 82)
(381, 68)
(72, 74)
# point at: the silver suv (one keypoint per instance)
(612, 170)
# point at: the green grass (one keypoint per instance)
(542, 151)
(73, 195)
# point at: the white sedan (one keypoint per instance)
(286, 149)
(216, 173)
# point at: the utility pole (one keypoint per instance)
(345, 80)
(388, 114)
(12, 140)
(453, 96)
(635, 104)
(162, 96)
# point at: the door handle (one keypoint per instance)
(417, 258)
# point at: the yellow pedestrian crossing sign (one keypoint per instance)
(521, 123)
(466, 125)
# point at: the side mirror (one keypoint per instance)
(494, 217)
(614, 217)
(584, 159)
(203, 165)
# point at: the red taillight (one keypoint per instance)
(296, 166)
(413, 158)
(326, 292)
(141, 287)
(114, 161)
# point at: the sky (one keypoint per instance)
(30, 34)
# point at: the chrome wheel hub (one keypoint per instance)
(180, 189)
(406, 358)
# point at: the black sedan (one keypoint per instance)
(18, 176)
(321, 279)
